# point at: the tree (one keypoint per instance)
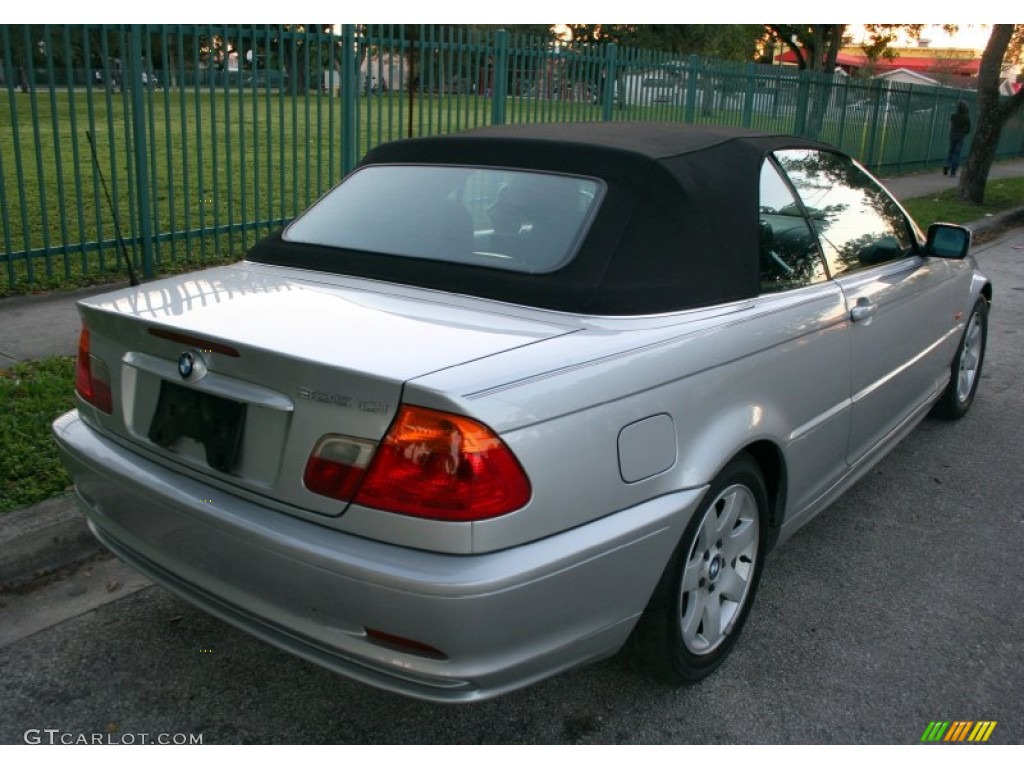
(306, 52)
(20, 52)
(726, 41)
(815, 46)
(737, 42)
(994, 111)
(541, 31)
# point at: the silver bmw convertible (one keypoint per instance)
(510, 401)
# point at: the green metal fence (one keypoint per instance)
(208, 137)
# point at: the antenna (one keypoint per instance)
(132, 278)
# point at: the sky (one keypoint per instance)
(635, 11)
(969, 35)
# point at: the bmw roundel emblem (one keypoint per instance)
(186, 364)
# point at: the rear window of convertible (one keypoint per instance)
(521, 221)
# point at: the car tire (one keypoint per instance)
(704, 596)
(965, 370)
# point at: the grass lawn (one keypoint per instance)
(224, 168)
(32, 395)
(1000, 195)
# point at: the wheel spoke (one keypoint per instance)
(969, 360)
(732, 504)
(712, 619)
(691, 575)
(965, 378)
(702, 541)
(963, 385)
(691, 619)
(732, 586)
(740, 540)
(973, 333)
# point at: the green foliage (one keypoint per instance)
(32, 395)
(736, 42)
(815, 46)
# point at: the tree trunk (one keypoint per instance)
(979, 162)
(170, 70)
(829, 38)
(834, 43)
(814, 59)
(993, 113)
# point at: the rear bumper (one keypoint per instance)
(502, 620)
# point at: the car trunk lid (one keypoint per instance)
(236, 373)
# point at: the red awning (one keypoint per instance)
(922, 64)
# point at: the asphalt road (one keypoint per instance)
(899, 605)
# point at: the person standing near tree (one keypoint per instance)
(959, 127)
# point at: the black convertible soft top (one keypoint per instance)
(677, 228)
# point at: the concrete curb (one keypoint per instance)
(990, 226)
(42, 537)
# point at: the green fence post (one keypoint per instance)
(844, 103)
(803, 91)
(19, 167)
(691, 88)
(876, 93)
(907, 112)
(349, 93)
(748, 97)
(133, 75)
(500, 90)
(608, 79)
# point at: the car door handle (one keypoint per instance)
(864, 311)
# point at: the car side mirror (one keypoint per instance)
(948, 241)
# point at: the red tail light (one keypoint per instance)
(92, 378)
(431, 464)
(445, 467)
(337, 465)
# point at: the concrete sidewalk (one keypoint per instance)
(53, 534)
(921, 184)
(37, 326)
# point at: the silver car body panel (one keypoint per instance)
(899, 348)
(648, 408)
(314, 591)
(619, 423)
(369, 345)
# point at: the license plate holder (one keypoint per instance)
(214, 422)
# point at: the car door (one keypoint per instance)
(814, 366)
(896, 299)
